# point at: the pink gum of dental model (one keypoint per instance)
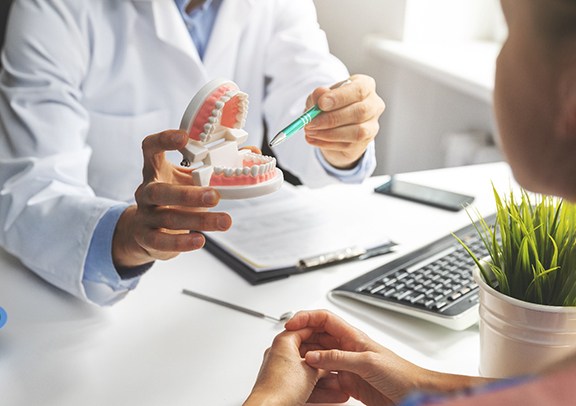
(228, 113)
(214, 120)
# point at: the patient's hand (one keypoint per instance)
(365, 369)
(285, 379)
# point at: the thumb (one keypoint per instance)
(338, 360)
(154, 146)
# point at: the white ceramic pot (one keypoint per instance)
(518, 337)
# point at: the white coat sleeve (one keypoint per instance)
(47, 210)
(298, 60)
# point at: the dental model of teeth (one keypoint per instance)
(214, 120)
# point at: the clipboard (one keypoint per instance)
(303, 265)
(293, 231)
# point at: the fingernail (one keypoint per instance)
(198, 240)
(327, 103)
(312, 357)
(209, 198)
(223, 223)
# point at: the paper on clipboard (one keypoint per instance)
(279, 230)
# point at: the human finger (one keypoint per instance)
(324, 321)
(166, 194)
(354, 113)
(154, 146)
(282, 363)
(358, 89)
(320, 340)
(328, 390)
(352, 133)
(363, 375)
(164, 245)
(390, 374)
(338, 360)
(174, 218)
(253, 149)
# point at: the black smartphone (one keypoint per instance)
(425, 194)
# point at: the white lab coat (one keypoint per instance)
(86, 80)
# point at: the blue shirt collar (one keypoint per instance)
(203, 7)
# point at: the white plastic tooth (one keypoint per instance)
(218, 170)
(254, 170)
(207, 127)
(228, 172)
(203, 136)
(225, 99)
(273, 162)
(237, 171)
(246, 170)
(215, 112)
(261, 169)
(212, 119)
(219, 104)
(231, 93)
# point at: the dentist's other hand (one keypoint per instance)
(349, 122)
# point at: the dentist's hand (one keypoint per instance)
(349, 122)
(169, 213)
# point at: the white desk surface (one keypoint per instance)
(159, 347)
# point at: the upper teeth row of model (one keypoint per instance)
(215, 118)
(253, 170)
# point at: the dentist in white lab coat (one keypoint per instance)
(89, 91)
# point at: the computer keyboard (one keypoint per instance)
(434, 282)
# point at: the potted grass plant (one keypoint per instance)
(527, 284)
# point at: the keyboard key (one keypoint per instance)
(454, 296)
(376, 289)
(390, 281)
(403, 294)
(389, 292)
(418, 298)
